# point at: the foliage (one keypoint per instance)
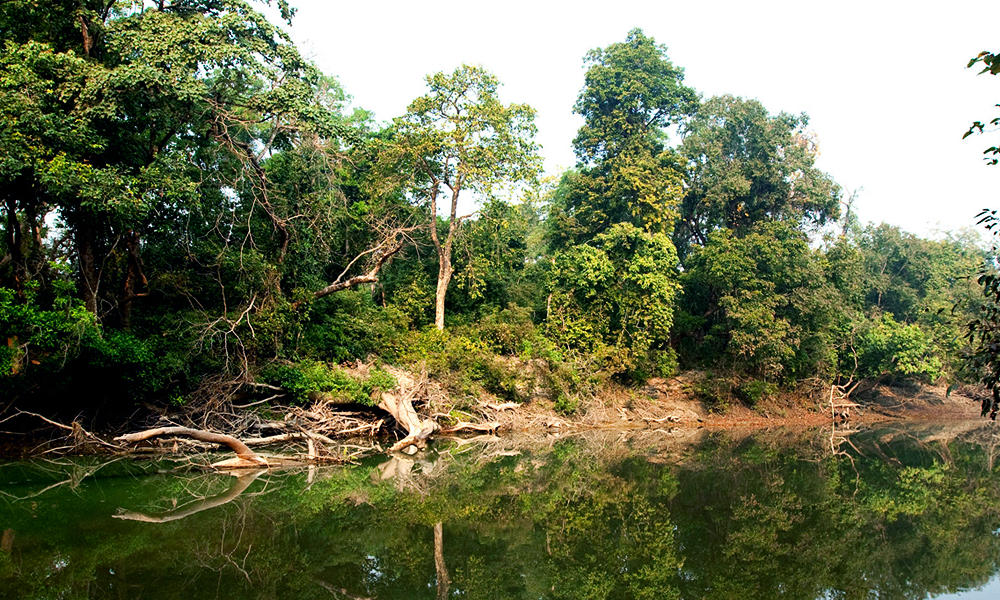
(63, 352)
(747, 166)
(625, 173)
(761, 301)
(990, 64)
(614, 299)
(305, 379)
(459, 137)
(465, 365)
(887, 347)
(182, 195)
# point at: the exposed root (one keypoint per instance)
(399, 404)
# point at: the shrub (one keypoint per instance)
(887, 347)
(752, 392)
(302, 379)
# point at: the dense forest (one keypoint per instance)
(191, 211)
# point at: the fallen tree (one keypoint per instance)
(245, 457)
(318, 423)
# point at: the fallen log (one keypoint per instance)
(245, 457)
(466, 426)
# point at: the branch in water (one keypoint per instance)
(245, 456)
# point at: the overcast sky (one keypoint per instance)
(884, 82)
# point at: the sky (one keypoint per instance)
(884, 83)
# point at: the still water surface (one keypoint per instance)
(898, 512)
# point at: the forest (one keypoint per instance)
(196, 221)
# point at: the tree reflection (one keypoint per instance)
(892, 514)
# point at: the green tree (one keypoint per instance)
(497, 258)
(746, 166)
(625, 173)
(149, 112)
(459, 137)
(613, 300)
(759, 304)
(149, 135)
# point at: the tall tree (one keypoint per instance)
(625, 173)
(745, 166)
(457, 139)
(155, 112)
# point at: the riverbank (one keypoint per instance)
(422, 409)
(676, 401)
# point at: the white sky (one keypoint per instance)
(884, 82)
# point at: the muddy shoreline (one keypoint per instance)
(662, 405)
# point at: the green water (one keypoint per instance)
(895, 513)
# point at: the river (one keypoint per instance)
(897, 511)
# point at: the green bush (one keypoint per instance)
(466, 365)
(566, 405)
(752, 392)
(886, 347)
(304, 378)
(504, 331)
(350, 326)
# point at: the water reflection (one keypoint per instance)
(900, 512)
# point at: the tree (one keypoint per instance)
(984, 329)
(459, 137)
(759, 302)
(139, 166)
(149, 113)
(991, 65)
(745, 166)
(624, 173)
(613, 299)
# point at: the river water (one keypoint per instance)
(895, 512)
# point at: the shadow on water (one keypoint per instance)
(894, 512)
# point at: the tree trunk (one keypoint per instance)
(135, 279)
(399, 404)
(15, 246)
(444, 278)
(90, 279)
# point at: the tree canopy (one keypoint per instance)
(191, 210)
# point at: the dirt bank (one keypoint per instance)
(676, 402)
(661, 405)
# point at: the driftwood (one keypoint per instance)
(666, 419)
(466, 426)
(399, 404)
(315, 424)
(245, 457)
(500, 407)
